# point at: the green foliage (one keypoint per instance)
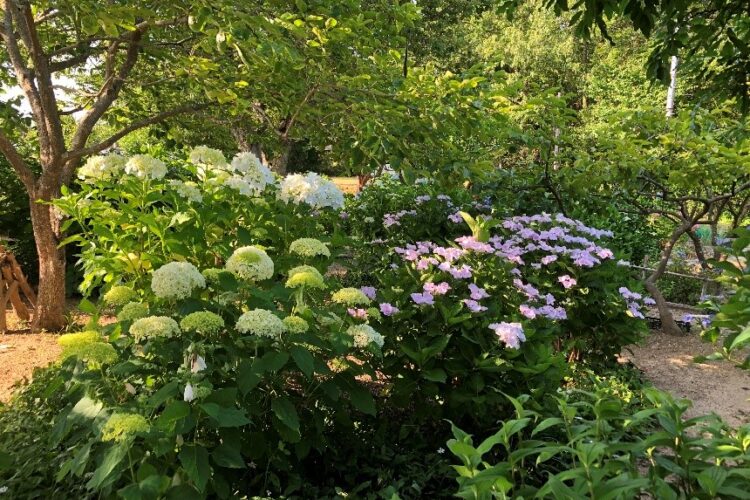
(589, 446)
(730, 327)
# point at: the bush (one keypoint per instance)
(592, 448)
(240, 365)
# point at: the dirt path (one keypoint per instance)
(717, 386)
(20, 353)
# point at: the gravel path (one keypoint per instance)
(716, 386)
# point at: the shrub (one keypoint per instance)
(592, 448)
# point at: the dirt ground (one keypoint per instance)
(20, 353)
(716, 386)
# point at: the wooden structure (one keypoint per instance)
(12, 284)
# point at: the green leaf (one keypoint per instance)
(435, 375)
(173, 412)
(247, 378)
(362, 400)
(286, 412)
(194, 460)
(225, 417)
(226, 455)
(87, 307)
(304, 360)
(111, 460)
(6, 460)
(270, 362)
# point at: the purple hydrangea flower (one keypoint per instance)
(473, 305)
(477, 293)
(456, 218)
(369, 291)
(436, 289)
(388, 309)
(357, 313)
(425, 298)
(511, 334)
(567, 281)
(527, 311)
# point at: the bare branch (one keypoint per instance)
(19, 165)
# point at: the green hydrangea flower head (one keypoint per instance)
(211, 275)
(78, 339)
(132, 311)
(309, 247)
(261, 322)
(295, 324)
(98, 353)
(154, 326)
(306, 276)
(122, 427)
(203, 322)
(176, 281)
(119, 295)
(350, 297)
(373, 312)
(203, 155)
(250, 264)
(364, 335)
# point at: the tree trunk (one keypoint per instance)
(668, 324)
(280, 161)
(672, 86)
(50, 305)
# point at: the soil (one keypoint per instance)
(20, 353)
(716, 386)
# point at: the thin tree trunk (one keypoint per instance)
(50, 305)
(668, 324)
(672, 86)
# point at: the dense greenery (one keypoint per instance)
(253, 332)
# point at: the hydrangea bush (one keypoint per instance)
(136, 214)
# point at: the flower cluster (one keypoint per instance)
(365, 335)
(310, 188)
(394, 219)
(98, 353)
(309, 247)
(295, 324)
(102, 167)
(132, 311)
(203, 155)
(124, 426)
(306, 276)
(188, 190)
(250, 264)
(145, 167)
(119, 295)
(78, 338)
(261, 322)
(350, 297)
(176, 281)
(154, 327)
(511, 334)
(635, 301)
(203, 322)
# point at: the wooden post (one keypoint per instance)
(12, 284)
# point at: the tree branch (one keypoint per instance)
(19, 165)
(72, 157)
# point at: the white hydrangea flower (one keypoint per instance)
(102, 167)
(176, 280)
(146, 167)
(247, 163)
(312, 189)
(246, 187)
(309, 247)
(363, 335)
(154, 326)
(250, 263)
(203, 155)
(188, 190)
(261, 322)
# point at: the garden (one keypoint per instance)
(381, 250)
